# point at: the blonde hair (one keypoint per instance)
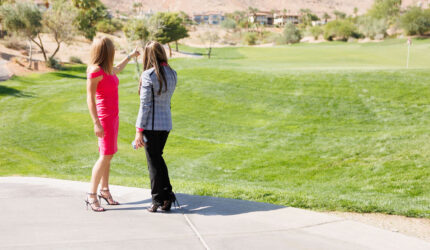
(102, 54)
(153, 56)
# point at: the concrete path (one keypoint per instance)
(40, 213)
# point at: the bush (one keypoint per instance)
(15, 43)
(251, 38)
(316, 31)
(415, 21)
(109, 26)
(228, 23)
(75, 59)
(372, 27)
(340, 30)
(53, 63)
(291, 34)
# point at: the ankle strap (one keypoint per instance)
(101, 190)
(91, 193)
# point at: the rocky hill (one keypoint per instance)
(198, 6)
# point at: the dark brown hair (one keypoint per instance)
(154, 56)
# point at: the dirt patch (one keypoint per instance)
(416, 227)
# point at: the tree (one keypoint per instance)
(90, 12)
(228, 23)
(415, 21)
(339, 29)
(168, 28)
(326, 16)
(58, 20)
(208, 38)
(136, 30)
(386, 9)
(339, 14)
(372, 27)
(291, 34)
(25, 19)
(307, 17)
(316, 31)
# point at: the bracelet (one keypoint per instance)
(128, 57)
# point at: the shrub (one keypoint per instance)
(75, 59)
(228, 23)
(15, 43)
(53, 63)
(109, 26)
(415, 21)
(251, 38)
(372, 27)
(291, 34)
(340, 30)
(316, 31)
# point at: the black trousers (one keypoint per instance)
(161, 189)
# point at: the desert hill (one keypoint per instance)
(198, 6)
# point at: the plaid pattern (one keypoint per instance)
(163, 116)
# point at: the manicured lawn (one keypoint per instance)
(326, 127)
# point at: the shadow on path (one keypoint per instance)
(204, 205)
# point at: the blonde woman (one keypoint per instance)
(102, 100)
(154, 121)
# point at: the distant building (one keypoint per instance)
(262, 17)
(209, 18)
(282, 19)
(42, 4)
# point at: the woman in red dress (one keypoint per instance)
(102, 100)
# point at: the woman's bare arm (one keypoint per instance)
(91, 102)
(121, 65)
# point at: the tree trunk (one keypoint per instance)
(40, 45)
(30, 54)
(209, 52)
(170, 49)
(176, 43)
(56, 50)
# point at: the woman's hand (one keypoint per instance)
(134, 53)
(98, 130)
(138, 140)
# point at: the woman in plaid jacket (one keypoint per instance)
(154, 121)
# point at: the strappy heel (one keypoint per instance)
(168, 203)
(109, 200)
(92, 204)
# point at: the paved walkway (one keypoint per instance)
(40, 213)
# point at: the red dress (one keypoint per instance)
(107, 110)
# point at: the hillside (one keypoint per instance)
(196, 6)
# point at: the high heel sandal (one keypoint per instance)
(109, 200)
(93, 203)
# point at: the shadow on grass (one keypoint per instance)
(7, 91)
(61, 74)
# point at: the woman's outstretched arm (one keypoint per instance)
(121, 65)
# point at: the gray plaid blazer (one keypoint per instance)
(149, 89)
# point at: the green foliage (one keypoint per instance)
(250, 38)
(339, 15)
(415, 21)
(53, 63)
(316, 31)
(372, 27)
(109, 26)
(136, 30)
(75, 59)
(169, 27)
(90, 12)
(339, 30)
(23, 18)
(59, 22)
(228, 23)
(307, 17)
(290, 34)
(385, 9)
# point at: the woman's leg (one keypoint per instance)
(104, 182)
(99, 168)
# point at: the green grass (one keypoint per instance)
(327, 127)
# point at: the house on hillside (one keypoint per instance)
(261, 17)
(43, 5)
(214, 18)
(284, 18)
